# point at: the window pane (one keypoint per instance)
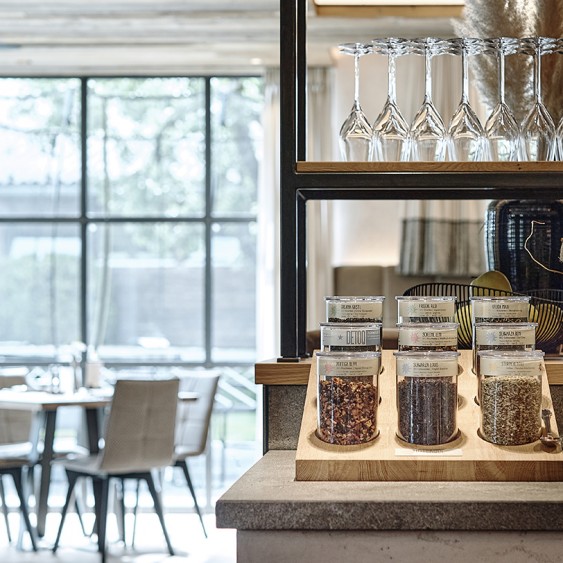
(233, 256)
(146, 292)
(39, 287)
(236, 106)
(39, 146)
(146, 146)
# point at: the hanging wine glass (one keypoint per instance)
(356, 133)
(390, 130)
(538, 129)
(466, 136)
(428, 134)
(501, 128)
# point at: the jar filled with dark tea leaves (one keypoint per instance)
(351, 337)
(428, 337)
(427, 397)
(351, 309)
(347, 397)
(511, 396)
(426, 309)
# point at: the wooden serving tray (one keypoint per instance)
(387, 458)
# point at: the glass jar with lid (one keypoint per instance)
(427, 337)
(347, 397)
(351, 337)
(510, 396)
(500, 309)
(426, 309)
(351, 309)
(427, 397)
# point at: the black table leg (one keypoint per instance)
(93, 428)
(45, 462)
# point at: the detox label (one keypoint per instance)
(336, 336)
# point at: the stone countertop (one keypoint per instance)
(268, 498)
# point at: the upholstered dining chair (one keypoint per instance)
(192, 429)
(139, 439)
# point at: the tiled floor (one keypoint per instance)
(184, 529)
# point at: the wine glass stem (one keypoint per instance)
(537, 74)
(501, 77)
(391, 79)
(356, 80)
(427, 76)
(464, 77)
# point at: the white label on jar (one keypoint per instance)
(413, 336)
(331, 367)
(335, 336)
(511, 366)
(426, 309)
(344, 310)
(413, 367)
(490, 309)
(491, 336)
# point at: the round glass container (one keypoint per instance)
(512, 309)
(503, 336)
(426, 309)
(510, 396)
(349, 309)
(428, 337)
(347, 397)
(351, 337)
(427, 397)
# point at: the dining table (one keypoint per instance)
(46, 404)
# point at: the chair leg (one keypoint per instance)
(17, 476)
(120, 509)
(72, 478)
(135, 510)
(101, 493)
(158, 508)
(5, 509)
(184, 465)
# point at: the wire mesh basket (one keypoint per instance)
(546, 309)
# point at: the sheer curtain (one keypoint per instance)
(439, 237)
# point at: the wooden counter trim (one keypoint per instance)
(272, 372)
(420, 167)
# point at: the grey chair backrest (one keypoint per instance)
(192, 421)
(15, 425)
(140, 428)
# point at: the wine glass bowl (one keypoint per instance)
(355, 138)
(390, 129)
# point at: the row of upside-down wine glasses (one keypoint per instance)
(391, 138)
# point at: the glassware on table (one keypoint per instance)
(501, 127)
(467, 141)
(390, 129)
(428, 133)
(355, 138)
(538, 129)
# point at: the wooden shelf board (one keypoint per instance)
(386, 11)
(435, 167)
(377, 461)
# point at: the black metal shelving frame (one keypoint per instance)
(297, 186)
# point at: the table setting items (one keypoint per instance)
(461, 137)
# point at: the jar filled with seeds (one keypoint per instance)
(427, 397)
(347, 397)
(428, 337)
(354, 309)
(351, 337)
(511, 396)
(426, 309)
(509, 309)
(503, 336)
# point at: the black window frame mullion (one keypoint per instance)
(208, 282)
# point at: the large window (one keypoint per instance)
(128, 218)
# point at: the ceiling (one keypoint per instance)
(63, 37)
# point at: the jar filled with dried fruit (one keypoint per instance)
(426, 309)
(351, 337)
(347, 397)
(511, 396)
(428, 337)
(427, 397)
